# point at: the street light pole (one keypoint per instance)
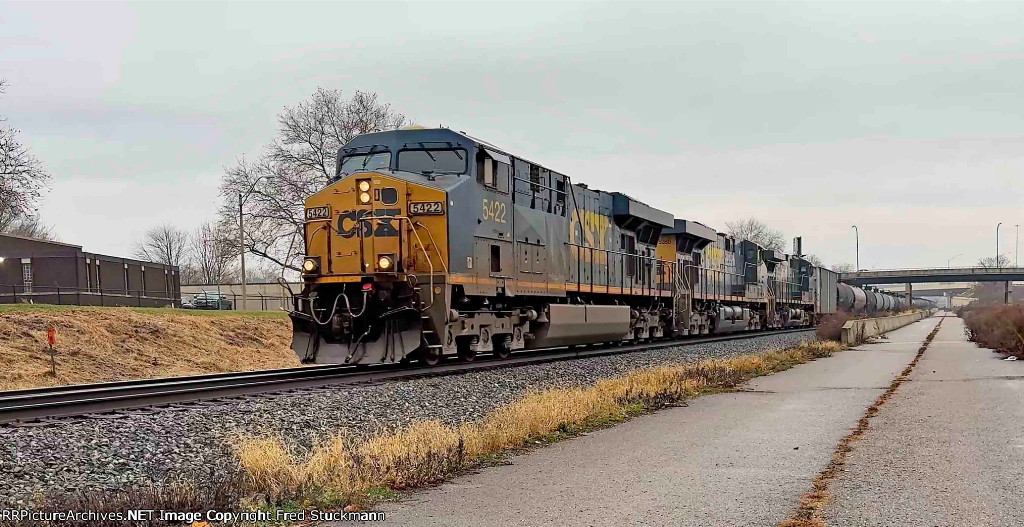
(1016, 245)
(951, 259)
(856, 232)
(997, 245)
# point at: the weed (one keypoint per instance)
(996, 326)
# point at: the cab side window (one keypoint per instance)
(492, 173)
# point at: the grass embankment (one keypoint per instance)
(999, 326)
(112, 344)
(343, 470)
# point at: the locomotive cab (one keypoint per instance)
(376, 253)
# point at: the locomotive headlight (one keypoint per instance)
(384, 263)
(310, 265)
(364, 197)
(364, 185)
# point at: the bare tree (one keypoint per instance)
(299, 163)
(211, 256)
(758, 232)
(22, 179)
(164, 244)
(815, 261)
(990, 262)
(30, 227)
(843, 267)
(991, 292)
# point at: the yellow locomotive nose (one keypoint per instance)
(373, 222)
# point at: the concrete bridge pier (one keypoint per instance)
(910, 294)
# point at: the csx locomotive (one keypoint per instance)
(431, 243)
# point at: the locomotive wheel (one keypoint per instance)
(465, 353)
(430, 356)
(501, 349)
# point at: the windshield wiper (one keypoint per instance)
(369, 154)
(425, 151)
(456, 152)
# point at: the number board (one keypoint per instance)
(318, 213)
(425, 208)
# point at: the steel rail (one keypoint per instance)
(37, 405)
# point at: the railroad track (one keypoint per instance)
(41, 406)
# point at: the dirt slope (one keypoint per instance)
(112, 344)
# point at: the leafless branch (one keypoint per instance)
(164, 244)
(299, 163)
(758, 232)
(22, 179)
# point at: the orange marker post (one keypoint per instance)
(51, 339)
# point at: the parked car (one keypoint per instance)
(211, 300)
(186, 303)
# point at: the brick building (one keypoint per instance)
(46, 272)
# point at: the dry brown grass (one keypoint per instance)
(342, 469)
(112, 344)
(999, 326)
(813, 502)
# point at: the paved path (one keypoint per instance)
(727, 459)
(948, 447)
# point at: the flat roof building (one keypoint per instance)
(45, 272)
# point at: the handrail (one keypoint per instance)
(418, 240)
(440, 258)
(611, 251)
(648, 259)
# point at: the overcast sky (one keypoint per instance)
(905, 119)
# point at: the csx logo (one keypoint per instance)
(349, 222)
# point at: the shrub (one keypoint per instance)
(1000, 327)
(831, 327)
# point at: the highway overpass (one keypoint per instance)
(917, 276)
(908, 277)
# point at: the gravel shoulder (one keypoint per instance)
(196, 444)
(948, 447)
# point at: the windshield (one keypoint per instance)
(433, 161)
(356, 162)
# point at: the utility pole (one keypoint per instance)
(1016, 245)
(241, 250)
(856, 232)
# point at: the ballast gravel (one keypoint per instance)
(196, 444)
